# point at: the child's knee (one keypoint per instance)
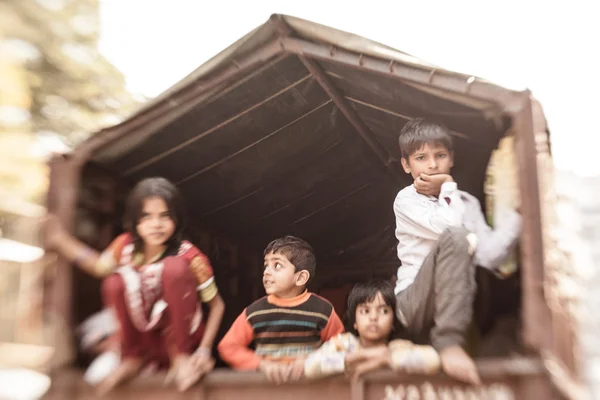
(176, 269)
(460, 239)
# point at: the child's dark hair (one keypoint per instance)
(298, 251)
(419, 132)
(366, 292)
(162, 188)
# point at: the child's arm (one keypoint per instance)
(366, 360)
(334, 327)
(406, 356)
(209, 294)
(89, 260)
(233, 348)
(329, 359)
(216, 310)
(427, 219)
(399, 355)
(494, 245)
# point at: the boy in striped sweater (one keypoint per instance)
(289, 323)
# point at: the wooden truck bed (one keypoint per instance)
(503, 379)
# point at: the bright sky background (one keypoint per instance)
(546, 47)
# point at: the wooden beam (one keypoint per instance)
(62, 201)
(537, 327)
(321, 77)
(349, 112)
(406, 71)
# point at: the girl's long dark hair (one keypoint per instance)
(366, 292)
(162, 188)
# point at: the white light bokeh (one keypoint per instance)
(11, 250)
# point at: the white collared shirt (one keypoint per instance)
(420, 220)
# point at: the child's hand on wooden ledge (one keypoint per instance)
(274, 371)
(366, 360)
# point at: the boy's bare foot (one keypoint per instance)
(128, 369)
(457, 364)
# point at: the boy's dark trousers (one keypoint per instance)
(438, 306)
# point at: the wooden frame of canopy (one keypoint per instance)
(283, 37)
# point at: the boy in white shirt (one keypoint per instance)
(442, 235)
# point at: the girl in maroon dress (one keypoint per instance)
(154, 281)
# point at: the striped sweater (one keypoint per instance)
(279, 330)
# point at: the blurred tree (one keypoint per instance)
(55, 91)
(53, 83)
